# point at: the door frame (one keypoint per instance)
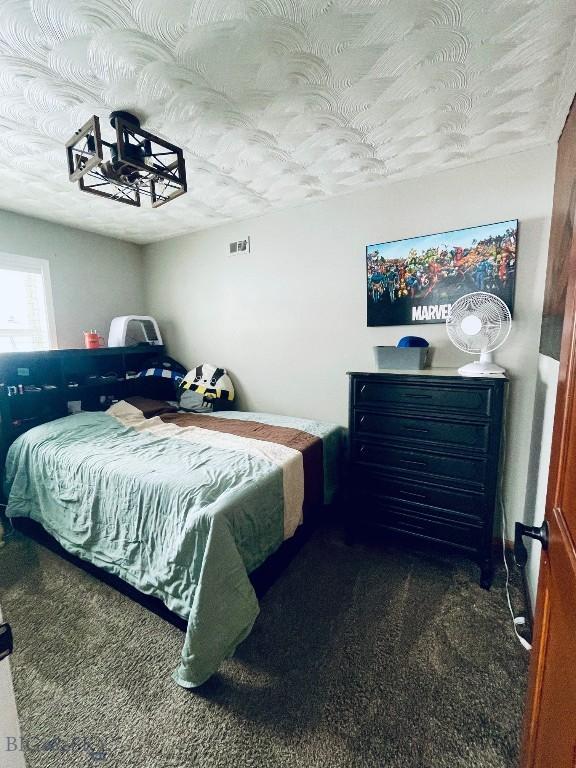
(10, 734)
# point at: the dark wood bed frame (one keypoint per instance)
(262, 578)
(87, 369)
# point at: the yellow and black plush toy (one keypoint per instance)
(209, 383)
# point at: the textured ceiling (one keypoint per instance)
(276, 102)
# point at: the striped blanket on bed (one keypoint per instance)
(181, 506)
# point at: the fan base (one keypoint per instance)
(481, 368)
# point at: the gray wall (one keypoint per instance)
(94, 278)
(542, 427)
(289, 319)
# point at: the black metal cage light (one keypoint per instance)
(137, 163)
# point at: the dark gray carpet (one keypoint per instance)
(364, 657)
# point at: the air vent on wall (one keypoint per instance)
(240, 246)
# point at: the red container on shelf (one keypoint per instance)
(92, 340)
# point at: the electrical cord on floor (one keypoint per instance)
(517, 621)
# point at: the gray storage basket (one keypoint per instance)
(401, 358)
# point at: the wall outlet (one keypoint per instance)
(240, 246)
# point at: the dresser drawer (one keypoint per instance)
(435, 398)
(457, 469)
(447, 502)
(458, 434)
(406, 521)
(424, 457)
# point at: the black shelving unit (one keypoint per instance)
(61, 376)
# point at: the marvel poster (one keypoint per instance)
(416, 280)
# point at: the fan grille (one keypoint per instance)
(478, 322)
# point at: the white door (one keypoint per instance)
(11, 755)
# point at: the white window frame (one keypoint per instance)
(42, 268)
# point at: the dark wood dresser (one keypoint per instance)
(425, 457)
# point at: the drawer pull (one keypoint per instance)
(413, 494)
(363, 449)
(362, 419)
(416, 429)
(418, 396)
(413, 463)
(362, 388)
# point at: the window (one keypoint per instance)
(26, 313)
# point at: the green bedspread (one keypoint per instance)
(180, 519)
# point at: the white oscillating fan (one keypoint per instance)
(479, 323)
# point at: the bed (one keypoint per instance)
(181, 506)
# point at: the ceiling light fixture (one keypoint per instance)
(137, 163)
